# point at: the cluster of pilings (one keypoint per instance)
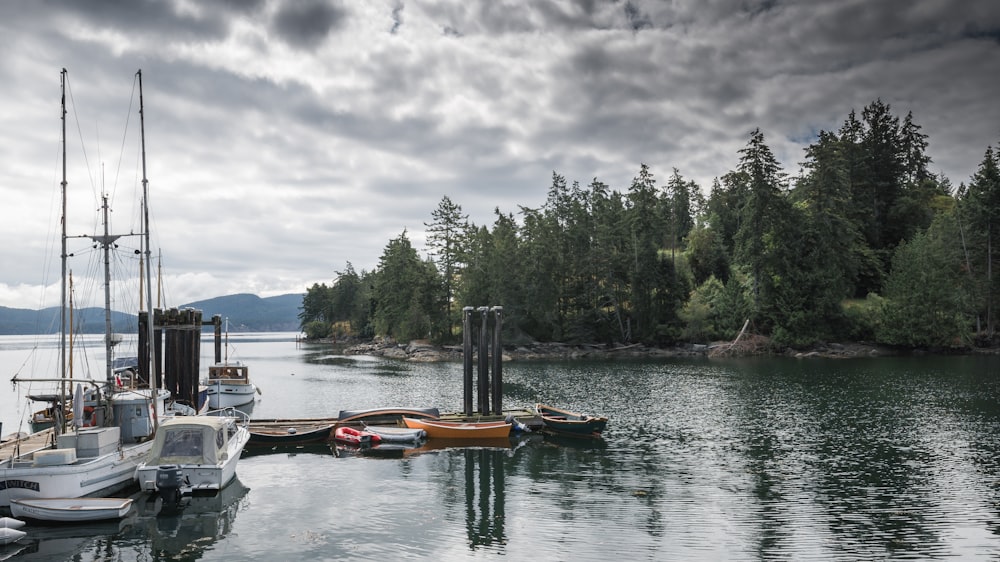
(485, 387)
(176, 350)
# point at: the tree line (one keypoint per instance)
(863, 244)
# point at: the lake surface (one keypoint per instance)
(762, 459)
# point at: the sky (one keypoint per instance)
(284, 139)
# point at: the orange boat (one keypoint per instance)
(460, 430)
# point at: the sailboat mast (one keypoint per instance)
(106, 241)
(148, 254)
(62, 313)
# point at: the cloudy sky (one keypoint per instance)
(286, 138)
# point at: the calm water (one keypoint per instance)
(703, 460)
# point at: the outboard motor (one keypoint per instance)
(169, 479)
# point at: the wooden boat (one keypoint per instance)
(386, 415)
(71, 510)
(573, 423)
(289, 434)
(396, 434)
(459, 430)
(353, 436)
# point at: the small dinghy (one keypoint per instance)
(397, 434)
(355, 436)
(262, 433)
(571, 423)
(71, 510)
(437, 429)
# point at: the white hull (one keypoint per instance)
(230, 395)
(89, 476)
(72, 510)
(199, 475)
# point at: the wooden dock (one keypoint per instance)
(43, 439)
(527, 417)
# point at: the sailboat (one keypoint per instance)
(87, 461)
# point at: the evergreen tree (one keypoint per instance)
(981, 204)
(444, 238)
(645, 230)
(403, 292)
(761, 209)
(924, 306)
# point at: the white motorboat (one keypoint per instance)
(71, 510)
(229, 385)
(195, 453)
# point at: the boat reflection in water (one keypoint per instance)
(290, 450)
(149, 532)
(185, 531)
(64, 542)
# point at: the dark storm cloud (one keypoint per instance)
(306, 23)
(333, 146)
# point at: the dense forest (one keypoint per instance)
(864, 244)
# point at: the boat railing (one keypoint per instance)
(241, 417)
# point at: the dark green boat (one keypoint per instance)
(571, 423)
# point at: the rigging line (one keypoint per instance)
(121, 152)
(79, 132)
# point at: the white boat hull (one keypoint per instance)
(200, 475)
(92, 476)
(71, 510)
(230, 395)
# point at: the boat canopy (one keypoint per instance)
(194, 440)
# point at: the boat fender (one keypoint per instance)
(8, 535)
(10, 523)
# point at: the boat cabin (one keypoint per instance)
(228, 372)
(192, 440)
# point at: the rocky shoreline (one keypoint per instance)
(426, 352)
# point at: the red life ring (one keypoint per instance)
(89, 419)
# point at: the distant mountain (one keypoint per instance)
(244, 312)
(250, 313)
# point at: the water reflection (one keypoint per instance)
(148, 533)
(485, 511)
(185, 533)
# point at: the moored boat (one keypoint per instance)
(71, 510)
(386, 415)
(397, 434)
(197, 453)
(571, 423)
(353, 436)
(459, 430)
(99, 455)
(289, 434)
(229, 385)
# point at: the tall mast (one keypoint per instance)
(106, 241)
(148, 253)
(62, 313)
